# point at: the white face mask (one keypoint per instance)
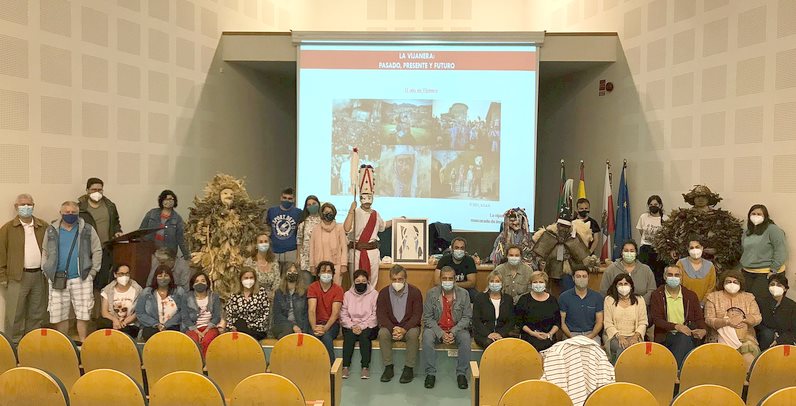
(581, 282)
(538, 287)
(732, 288)
(96, 196)
(623, 290)
(776, 291)
(325, 277)
(123, 280)
(398, 286)
(695, 253)
(514, 261)
(248, 283)
(756, 219)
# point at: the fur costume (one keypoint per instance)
(556, 268)
(509, 237)
(222, 231)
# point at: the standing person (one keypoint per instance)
(648, 224)
(101, 213)
(21, 242)
(446, 319)
(247, 310)
(765, 251)
(328, 243)
(462, 264)
(118, 303)
(732, 314)
(581, 309)
(283, 220)
(584, 207)
(515, 231)
(310, 217)
(538, 314)
(161, 305)
(779, 315)
(71, 258)
(699, 274)
(643, 278)
(365, 246)
(516, 275)
(266, 266)
(290, 305)
(324, 301)
(493, 313)
(202, 313)
(358, 318)
(625, 316)
(172, 227)
(399, 310)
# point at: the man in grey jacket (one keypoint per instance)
(72, 249)
(446, 319)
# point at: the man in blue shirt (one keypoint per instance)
(581, 309)
(284, 220)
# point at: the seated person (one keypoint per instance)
(399, 310)
(779, 314)
(202, 312)
(516, 275)
(324, 301)
(160, 306)
(446, 318)
(730, 310)
(118, 303)
(678, 318)
(247, 310)
(358, 318)
(493, 313)
(290, 305)
(538, 314)
(625, 318)
(462, 263)
(699, 274)
(179, 266)
(581, 309)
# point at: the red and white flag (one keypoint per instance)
(608, 223)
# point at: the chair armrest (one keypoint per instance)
(475, 374)
(336, 377)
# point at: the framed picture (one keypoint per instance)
(409, 241)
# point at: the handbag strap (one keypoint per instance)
(71, 249)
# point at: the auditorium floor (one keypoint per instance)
(371, 391)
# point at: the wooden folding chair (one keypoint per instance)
(112, 349)
(504, 363)
(713, 363)
(25, 386)
(708, 395)
(185, 388)
(537, 392)
(106, 387)
(51, 351)
(170, 351)
(772, 370)
(621, 393)
(782, 397)
(276, 388)
(651, 366)
(8, 357)
(231, 358)
(303, 359)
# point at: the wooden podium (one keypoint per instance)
(133, 250)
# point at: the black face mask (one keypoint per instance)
(328, 216)
(361, 287)
(655, 209)
(583, 213)
(292, 277)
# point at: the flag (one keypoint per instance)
(606, 254)
(623, 227)
(582, 183)
(561, 199)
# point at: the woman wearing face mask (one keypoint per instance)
(732, 314)
(779, 315)
(310, 217)
(641, 273)
(515, 274)
(625, 320)
(699, 274)
(172, 228)
(493, 312)
(247, 310)
(160, 306)
(267, 267)
(324, 300)
(765, 251)
(290, 304)
(538, 314)
(648, 224)
(358, 317)
(202, 312)
(328, 243)
(118, 302)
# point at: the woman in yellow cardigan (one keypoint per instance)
(699, 274)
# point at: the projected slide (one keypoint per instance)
(450, 130)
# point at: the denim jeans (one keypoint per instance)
(430, 342)
(328, 339)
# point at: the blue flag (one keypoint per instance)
(623, 225)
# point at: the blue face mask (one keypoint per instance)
(287, 204)
(495, 286)
(25, 211)
(313, 209)
(69, 218)
(672, 281)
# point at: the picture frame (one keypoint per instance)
(410, 241)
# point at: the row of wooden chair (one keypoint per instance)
(649, 365)
(23, 386)
(231, 358)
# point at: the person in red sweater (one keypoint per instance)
(399, 309)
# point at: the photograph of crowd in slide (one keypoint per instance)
(419, 148)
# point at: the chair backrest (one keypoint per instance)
(112, 349)
(505, 363)
(621, 393)
(25, 386)
(534, 391)
(303, 359)
(651, 366)
(51, 351)
(8, 357)
(772, 371)
(276, 388)
(716, 364)
(782, 397)
(708, 395)
(170, 351)
(231, 358)
(106, 387)
(184, 388)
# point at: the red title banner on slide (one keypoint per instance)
(419, 60)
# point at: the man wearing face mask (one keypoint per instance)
(71, 257)
(515, 274)
(677, 316)
(399, 309)
(284, 220)
(462, 263)
(20, 269)
(581, 309)
(101, 214)
(446, 319)
(584, 208)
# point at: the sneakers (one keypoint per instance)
(461, 380)
(388, 373)
(365, 374)
(346, 372)
(406, 376)
(430, 381)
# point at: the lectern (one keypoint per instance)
(133, 250)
